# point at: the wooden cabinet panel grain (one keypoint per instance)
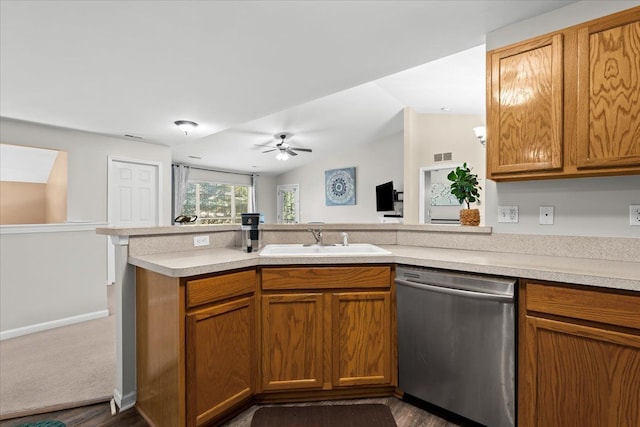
(361, 342)
(160, 374)
(526, 107)
(566, 104)
(210, 289)
(220, 359)
(579, 356)
(614, 308)
(609, 93)
(292, 341)
(584, 376)
(280, 278)
(340, 336)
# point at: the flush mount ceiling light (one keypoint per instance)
(481, 134)
(186, 126)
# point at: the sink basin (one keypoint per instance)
(316, 250)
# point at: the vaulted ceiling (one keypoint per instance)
(331, 73)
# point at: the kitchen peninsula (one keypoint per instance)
(192, 279)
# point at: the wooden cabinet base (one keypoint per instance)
(579, 357)
(335, 394)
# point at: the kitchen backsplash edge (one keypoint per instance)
(603, 248)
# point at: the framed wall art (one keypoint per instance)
(340, 187)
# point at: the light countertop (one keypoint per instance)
(581, 271)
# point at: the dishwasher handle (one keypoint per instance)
(458, 292)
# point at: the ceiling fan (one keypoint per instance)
(285, 150)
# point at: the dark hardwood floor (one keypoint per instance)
(99, 415)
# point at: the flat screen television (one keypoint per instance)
(385, 197)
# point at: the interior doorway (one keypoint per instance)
(288, 204)
(133, 200)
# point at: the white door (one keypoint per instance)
(133, 199)
(288, 204)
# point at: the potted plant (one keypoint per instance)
(464, 186)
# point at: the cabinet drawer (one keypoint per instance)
(202, 291)
(326, 277)
(619, 309)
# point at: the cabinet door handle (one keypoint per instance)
(457, 292)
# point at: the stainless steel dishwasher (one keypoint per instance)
(456, 335)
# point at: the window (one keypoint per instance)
(216, 203)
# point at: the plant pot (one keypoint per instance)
(470, 216)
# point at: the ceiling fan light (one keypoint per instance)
(186, 125)
(282, 155)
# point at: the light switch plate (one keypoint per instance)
(201, 240)
(634, 214)
(507, 214)
(546, 215)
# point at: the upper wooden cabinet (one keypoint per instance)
(609, 93)
(566, 104)
(526, 99)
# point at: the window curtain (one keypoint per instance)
(252, 193)
(180, 180)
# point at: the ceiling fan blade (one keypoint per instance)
(268, 151)
(289, 152)
(306, 150)
(264, 144)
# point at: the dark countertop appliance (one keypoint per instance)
(250, 231)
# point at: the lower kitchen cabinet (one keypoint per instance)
(327, 328)
(220, 359)
(292, 341)
(579, 356)
(361, 338)
(196, 346)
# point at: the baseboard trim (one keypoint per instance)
(126, 402)
(52, 408)
(39, 327)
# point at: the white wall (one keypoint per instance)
(70, 274)
(427, 134)
(87, 163)
(573, 14)
(376, 162)
(583, 206)
(49, 279)
(266, 197)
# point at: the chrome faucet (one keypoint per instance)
(345, 239)
(317, 234)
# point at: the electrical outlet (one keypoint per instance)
(546, 215)
(201, 240)
(507, 214)
(634, 214)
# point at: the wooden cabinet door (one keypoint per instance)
(361, 338)
(525, 107)
(292, 345)
(608, 99)
(579, 376)
(220, 349)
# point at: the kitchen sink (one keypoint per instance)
(353, 249)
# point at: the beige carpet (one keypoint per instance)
(57, 369)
